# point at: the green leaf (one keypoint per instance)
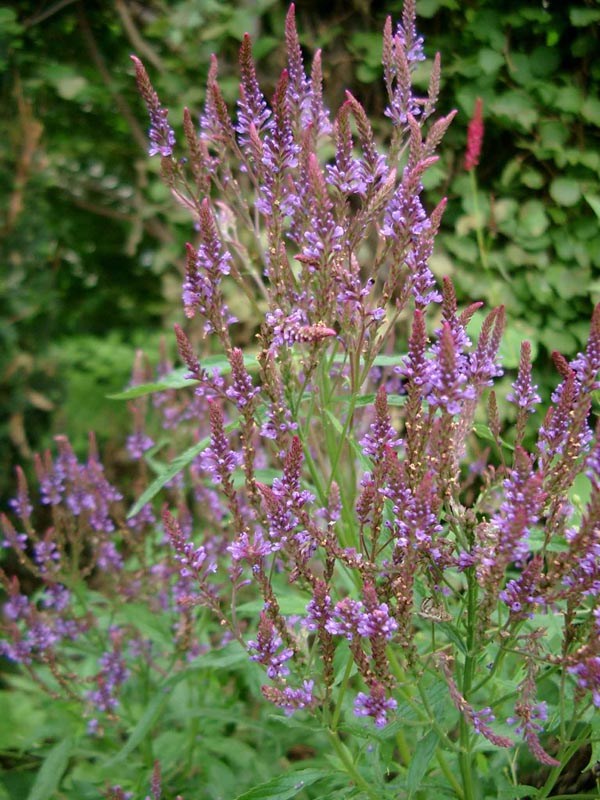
(517, 106)
(565, 191)
(230, 656)
(285, 786)
(423, 754)
(174, 468)
(167, 474)
(510, 348)
(594, 202)
(482, 431)
(177, 379)
(141, 731)
(453, 635)
(532, 178)
(510, 792)
(544, 61)
(533, 220)
(388, 361)
(174, 380)
(490, 60)
(288, 604)
(582, 17)
(364, 461)
(368, 400)
(590, 110)
(50, 775)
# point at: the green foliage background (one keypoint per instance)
(91, 244)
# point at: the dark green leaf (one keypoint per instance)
(364, 461)
(423, 754)
(142, 730)
(388, 361)
(369, 399)
(582, 17)
(50, 775)
(174, 468)
(175, 380)
(510, 792)
(482, 431)
(285, 786)
(565, 191)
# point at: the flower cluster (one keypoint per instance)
(343, 465)
(344, 251)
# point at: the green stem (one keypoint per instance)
(466, 765)
(444, 766)
(344, 685)
(564, 757)
(346, 759)
(403, 749)
(479, 227)
(425, 712)
(430, 716)
(343, 437)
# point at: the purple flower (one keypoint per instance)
(205, 268)
(113, 673)
(219, 460)
(279, 156)
(16, 607)
(161, 135)
(318, 610)
(375, 704)
(402, 52)
(21, 504)
(241, 391)
(144, 517)
(523, 394)
(347, 616)
(346, 174)
(291, 699)
(56, 597)
(109, 559)
(587, 365)
(481, 719)
(449, 380)
(295, 699)
(242, 549)
(377, 622)
(253, 112)
(381, 434)
(266, 647)
(138, 443)
(46, 555)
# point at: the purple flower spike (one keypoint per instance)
(347, 616)
(162, 138)
(523, 394)
(219, 460)
(587, 365)
(375, 704)
(291, 699)
(253, 111)
(137, 444)
(381, 434)
(587, 673)
(266, 647)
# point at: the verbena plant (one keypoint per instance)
(419, 592)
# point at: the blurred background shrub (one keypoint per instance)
(91, 245)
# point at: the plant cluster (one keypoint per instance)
(386, 570)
